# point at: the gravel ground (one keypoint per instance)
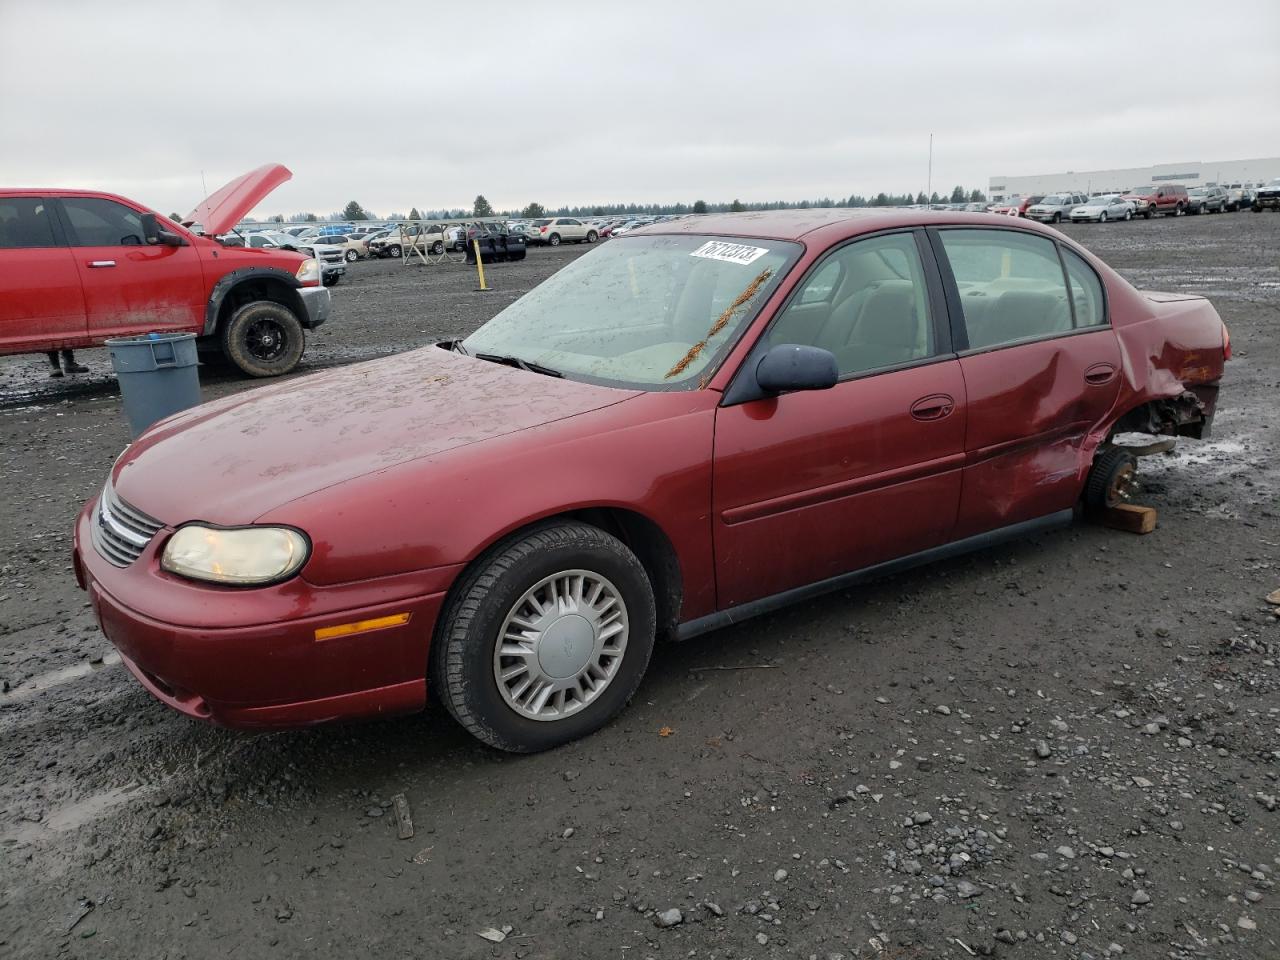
(1064, 747)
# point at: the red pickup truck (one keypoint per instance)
(79, 266)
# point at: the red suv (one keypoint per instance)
(78, 266)
(1170, 200)
(695, 423)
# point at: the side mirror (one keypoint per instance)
(155, 235)
(791, 366)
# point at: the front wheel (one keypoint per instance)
(437, 248)
(393, 250)
(1128, 215)
(1102, 217)
(1146, 214)
(263, 339)
(592, 236)
(1057, 218)
(546, 638)
(352, 256)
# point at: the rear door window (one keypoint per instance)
(1086, 291)
(1011, 286)
(25, 223)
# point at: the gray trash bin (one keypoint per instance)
(157, 375)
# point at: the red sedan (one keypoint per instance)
(698, 422)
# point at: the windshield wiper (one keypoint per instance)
(519, 364)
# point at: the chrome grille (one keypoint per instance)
(121, 532)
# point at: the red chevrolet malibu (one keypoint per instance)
(690, 425)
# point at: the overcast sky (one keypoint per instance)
(427, 104)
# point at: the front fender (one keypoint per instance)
(228, 282)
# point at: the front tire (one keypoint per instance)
(592, 236)
(394, 250)
(1057, 218)
(1102, 217)
(1128, 215)
(545, 638)
(263, 339)
(437, 248)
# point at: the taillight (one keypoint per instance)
(1226, 343)
(542, 229)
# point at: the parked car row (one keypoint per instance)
(1147, 201)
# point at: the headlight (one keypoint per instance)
(308, 270)
(237, 556)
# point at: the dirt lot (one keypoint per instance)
(1066, 747)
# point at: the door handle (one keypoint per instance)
(1099, 374)
(101, 263)
(933, 407)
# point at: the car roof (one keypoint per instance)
(825, 224)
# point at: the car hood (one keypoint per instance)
(223, 209)
(232, 460)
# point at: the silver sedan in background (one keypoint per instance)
(1108, 207)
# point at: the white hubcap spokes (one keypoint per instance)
(560, 645)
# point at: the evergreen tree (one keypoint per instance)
(481, 207)
(414, 214)
(533, 211)
(736, 206)
(353, 211)
(957, 195)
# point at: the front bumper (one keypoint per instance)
(318, 303)
(1271, 202)
(270, 671)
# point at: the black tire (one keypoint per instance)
(393, 250)
(1102, 217)
(263, 339)
(1128, 215)
(1110, 471)
(1146, 214)
(554, 240)
(332, 280)
(437, 248)
(462, 661)
(1057, 218)
(592, 236)
(351, 256)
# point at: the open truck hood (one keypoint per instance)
(224, 208)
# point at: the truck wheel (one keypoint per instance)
(1146, 214)
(263, 339)
(1110, 479)
(545, 638)
(1057, 218)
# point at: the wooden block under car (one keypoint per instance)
(1126, 516)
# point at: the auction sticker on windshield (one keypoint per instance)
(729, 252)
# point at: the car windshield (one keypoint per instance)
(1103, 200)
(1055, 198)
(1142, 191)
(657, 312)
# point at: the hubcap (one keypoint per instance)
(560, 645)
(266, 340)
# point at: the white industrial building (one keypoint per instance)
(1193, 174)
